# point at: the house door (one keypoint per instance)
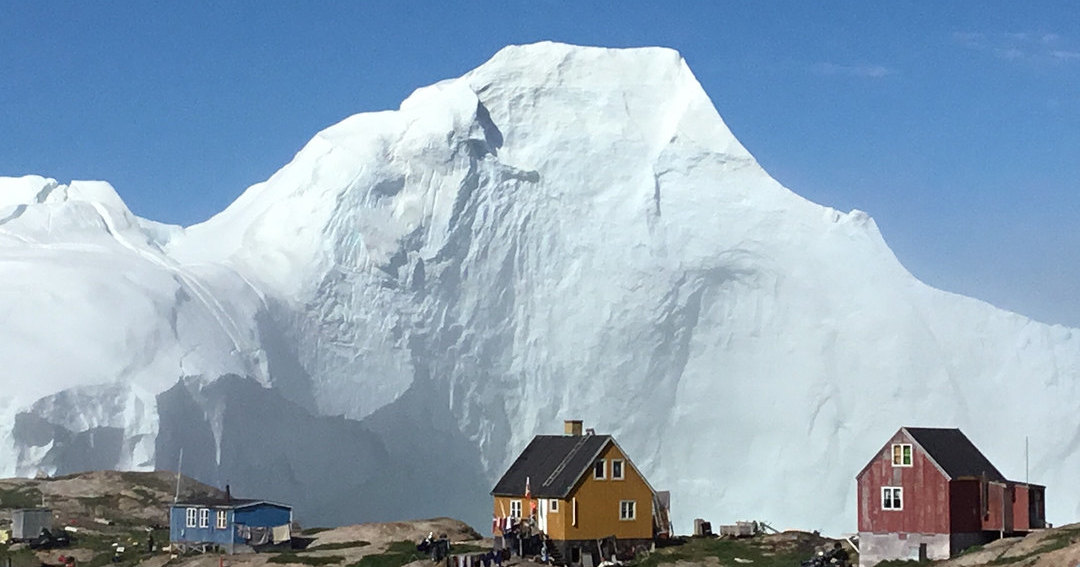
(922, 552)
(541, 515)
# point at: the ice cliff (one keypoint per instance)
(565, 232)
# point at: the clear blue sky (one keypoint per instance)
(955, 124)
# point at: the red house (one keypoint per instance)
(930, 493)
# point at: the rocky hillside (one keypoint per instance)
(122, 498)
(106, 510)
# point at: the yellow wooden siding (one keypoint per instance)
(598, 503)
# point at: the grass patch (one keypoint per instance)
(1058, 540)
(145, 496)
(313, 531)
(19, 558)
(149, 480)
(398, 553)
(20, 497)
(338, 545)
(306, 559)
(106, 500)
(761, 551)
(467, 548)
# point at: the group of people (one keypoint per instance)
(439, 549)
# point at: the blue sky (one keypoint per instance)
(956, 125)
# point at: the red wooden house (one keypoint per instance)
(930, 493)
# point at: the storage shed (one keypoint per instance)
(27, 523)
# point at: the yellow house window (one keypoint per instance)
(627, 510)
(901, 454)
(554, 505)
(515, 509)
(600, 470)
(617, 469)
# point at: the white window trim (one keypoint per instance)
(622, 469)
(573, 511)
(632, 508)
(554, 506)
(603, 470)
(190, 517)
(515, 504)
(204, 517)
(886, 502)
(910, 453)
(221, 520)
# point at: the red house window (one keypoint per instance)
(892, 498)
(901, 454)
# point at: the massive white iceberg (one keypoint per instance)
(565, 232)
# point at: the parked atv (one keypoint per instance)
(49, 540)
(835, 557)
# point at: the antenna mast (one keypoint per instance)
(179, 466)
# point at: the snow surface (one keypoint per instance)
(565, 232)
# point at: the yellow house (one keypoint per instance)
(582, 488)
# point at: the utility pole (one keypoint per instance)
(179, 465)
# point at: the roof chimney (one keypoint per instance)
(228, 495)
(572, 427)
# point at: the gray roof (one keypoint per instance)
(211, 502)
(954, 452)
(553, 464)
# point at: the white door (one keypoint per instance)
(541, 514)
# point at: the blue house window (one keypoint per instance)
(222, 520)
(204, 517)
(190, 518)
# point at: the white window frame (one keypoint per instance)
(204, 517)
(554, 506)
(602, 469)
(622, 469)
(627, 510)
(891, 494)
(221, 520)
(573, 511)
(515, 509)
(190, 517)
(909, 454)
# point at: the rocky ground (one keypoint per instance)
(108, 509)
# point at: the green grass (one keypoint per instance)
(337, 545)
(148, 480)
(726, 551)
(110, 501)
(467, 548)
(20, 558)
(306, 559)
(1058, 540)
(397, 554)
(20, 497)
(313, 531)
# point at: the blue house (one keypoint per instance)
(231, 524)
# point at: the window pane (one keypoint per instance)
(598, 469)
(896, 454)
(907, 454)
(616, 469)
